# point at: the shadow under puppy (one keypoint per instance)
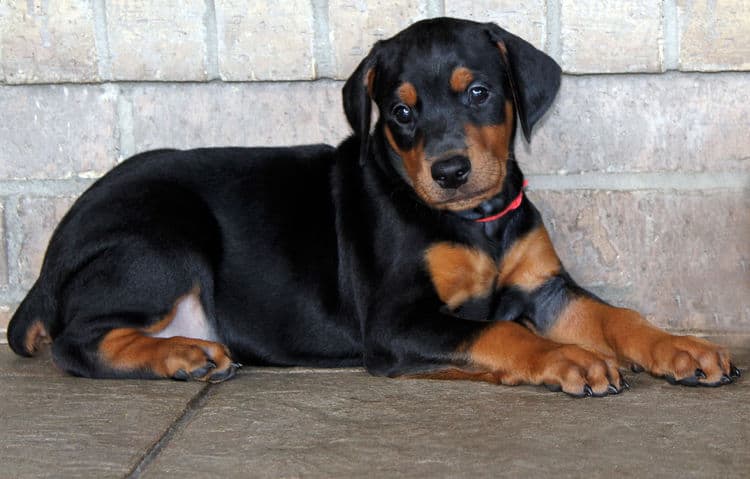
(409, 249)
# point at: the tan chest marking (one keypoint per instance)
(459, 272)
(529, 262)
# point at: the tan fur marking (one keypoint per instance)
(626, 335)
(408, 94)
(503, 49)
(461, 78)
(516, 355)
(491, 141)
(414, 159)
(510, 351)
(530, 261)
(459, 272)
(370, 81)
(36, 337)
(129, 349)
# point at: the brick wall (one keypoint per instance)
(642, 167)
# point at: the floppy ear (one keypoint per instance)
(357, 95)
(534, 76)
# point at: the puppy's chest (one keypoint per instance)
(472, 284)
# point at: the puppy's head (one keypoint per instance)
(448, 92)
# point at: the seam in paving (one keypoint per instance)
(191, 409)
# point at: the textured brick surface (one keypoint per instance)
(162, 40)
(683, 259)
(525, 19)
(57, 131)
(671, 122)
(38, 217)
(601, 36)
(357, 24)
(714, 35)
(43, 41)
(265, 40)
(237, 114)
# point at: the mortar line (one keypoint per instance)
(259, 83)
(663, 181)
(323, 61)
(553, 43)
(625, 181)
(435, 8)
(211, 41)
(45, 188)
(671, 41)
(101, 40)
(195, 404)
(125, 129)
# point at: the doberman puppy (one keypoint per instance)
(409, 249)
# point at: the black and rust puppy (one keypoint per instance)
(409, 249)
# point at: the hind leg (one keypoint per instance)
(129, 353)
(145, 352)
(125, 349)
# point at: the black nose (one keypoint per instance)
(451, 173)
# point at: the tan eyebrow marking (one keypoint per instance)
(408, 94)
(461, 78)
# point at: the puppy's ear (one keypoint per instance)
(534, 76)
(358, 96)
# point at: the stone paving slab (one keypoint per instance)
(56, 426)
(348, 424)
(345, 423)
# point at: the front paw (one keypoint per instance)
(691, 361)
(580, 373)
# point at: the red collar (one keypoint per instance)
(512, 206)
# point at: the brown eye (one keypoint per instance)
(402, 114)
(478, 95)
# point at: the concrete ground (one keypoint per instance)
(345, 423)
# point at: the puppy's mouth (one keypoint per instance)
(458, 200)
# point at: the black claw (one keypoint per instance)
(689, 381)
(670, 379)
(587, 391)
(734, 371)
(237, 365)
(625, 384)
(181, 375)
(636, 368)
(700, 374)
(203, 370)
(220, 376)
(726, 379)
(612, 389)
